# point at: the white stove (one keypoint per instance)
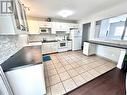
(62, 45)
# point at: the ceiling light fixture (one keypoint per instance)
(65, 13)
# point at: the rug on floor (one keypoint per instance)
(46, 58)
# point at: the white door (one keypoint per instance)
(76, 43)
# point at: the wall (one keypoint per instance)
(9, 45)
(114, 11)
(48, 37)
(108, 52)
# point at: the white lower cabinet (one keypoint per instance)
(69, 45)
(4, 85)
(3, 89)
(28, 80)
(35, 43)
(49, 47)
(89, 49)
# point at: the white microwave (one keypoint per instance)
(44, 30)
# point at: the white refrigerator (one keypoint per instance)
(76, 37)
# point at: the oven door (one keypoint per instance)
(62, 44)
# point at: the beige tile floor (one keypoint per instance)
(68, 70)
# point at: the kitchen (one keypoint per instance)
(57, 54)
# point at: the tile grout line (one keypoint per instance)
(60, 79)
(72, 68)
(69, 78)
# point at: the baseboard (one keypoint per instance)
(50, 53)
(106, 59)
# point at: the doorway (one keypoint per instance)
(85, 34)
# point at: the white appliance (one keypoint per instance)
(28, 80)
(62, 46)
(76, 37)
(44, 30)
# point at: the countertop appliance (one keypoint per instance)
(62, 45)
(76, 37)
(24, 71)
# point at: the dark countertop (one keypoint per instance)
(69, 39)
(122, 46)
(27, 56)
(49, 41)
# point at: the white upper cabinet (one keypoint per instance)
(14, 22)
(59, 26)
(45, 24)
(73, 25)
(33, 27)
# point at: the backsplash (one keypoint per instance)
(9, 45)
(40, 37)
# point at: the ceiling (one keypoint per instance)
(81, 8)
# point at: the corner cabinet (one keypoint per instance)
(15, 22)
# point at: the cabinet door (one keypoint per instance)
(20, 17)
(53, 28)
(45, 24)
(3, 89)
(27, 81)
(58, 26)
(46, 48)
(54, 47)
(25, 19)
(4, 85)
(43, 49)
(33, 27)
(16, 17)
(69, 45)
(20, 14)
(72, 25)
(86, 48)
(49, 47)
